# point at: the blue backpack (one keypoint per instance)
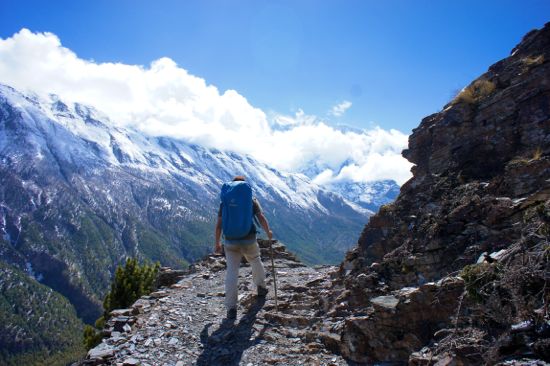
(237, 210)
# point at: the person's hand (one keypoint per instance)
(218, 249)
(270, 235)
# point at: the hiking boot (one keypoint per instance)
(232, 313)
(262, 291)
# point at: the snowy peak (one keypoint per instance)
(77, 144)
(79, 135)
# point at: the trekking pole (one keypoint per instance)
(274, 275)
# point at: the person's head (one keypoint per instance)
(239, 178)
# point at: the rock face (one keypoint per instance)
(481, 185)
(403, 320)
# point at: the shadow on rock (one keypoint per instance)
(226, 345)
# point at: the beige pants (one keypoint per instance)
(233, 255)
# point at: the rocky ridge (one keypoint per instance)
(184, 323)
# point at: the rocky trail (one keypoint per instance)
(184, 323)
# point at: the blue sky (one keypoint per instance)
(271, 79)
(395, 61)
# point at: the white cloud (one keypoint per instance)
(339, 109)
(325, 177)
(299, 118)
(164, 99)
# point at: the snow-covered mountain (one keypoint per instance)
(78, 195)
(369, 195)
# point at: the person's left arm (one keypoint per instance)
(265, 225)
(261, 218)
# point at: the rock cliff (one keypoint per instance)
(475, 216)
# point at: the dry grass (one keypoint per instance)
(533, 61)
(503, 294)
(537, 154)
(385, 209)
(475, 92)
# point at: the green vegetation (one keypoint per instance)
(475, 92)
(92, 336)
(157, 247)
(38, 325)
(98, 249)
(130, 283)
(477, 277)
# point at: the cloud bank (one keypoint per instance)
(164, 99)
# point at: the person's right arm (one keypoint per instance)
(218, 246)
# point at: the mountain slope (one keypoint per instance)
(39, 326)
(78, 195)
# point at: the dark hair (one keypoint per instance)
(239, 178)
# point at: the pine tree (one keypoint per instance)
(130, 283)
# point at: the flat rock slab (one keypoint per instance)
(101, 351)
(387, 302)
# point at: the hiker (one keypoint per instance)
(235, 219)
